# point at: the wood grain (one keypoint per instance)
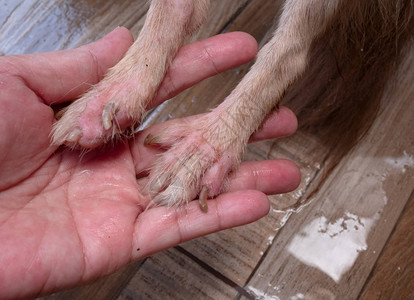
(172, 275)
(108, 287)
(392, 276)
(36, 26)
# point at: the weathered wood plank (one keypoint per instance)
(172, 275)
(31, 26)
(393, 274)
(108, 287)
(328, 249)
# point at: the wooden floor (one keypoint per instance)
(353, 239)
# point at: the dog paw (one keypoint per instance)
(196, 162)
(104, 113)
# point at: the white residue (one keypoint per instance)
(298, 296)
(260, 295)
(274, 287)
(401, 162)
(332, 247)
(286, 217)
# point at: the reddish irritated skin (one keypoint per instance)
(65, 220)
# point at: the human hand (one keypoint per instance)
(66, 219)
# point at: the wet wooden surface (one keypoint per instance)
(392, 276)
(342, 243)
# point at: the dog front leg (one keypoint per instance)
(119, 101)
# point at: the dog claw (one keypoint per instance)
(59, 114)
(151, 140)
(108, 114)
(74, 136)
(203, 199)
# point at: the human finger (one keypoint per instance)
(269, 177)
(200, 60)
(63, 75)
(160, 228)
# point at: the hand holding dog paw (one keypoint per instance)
(65, 220)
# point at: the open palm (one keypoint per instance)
(67, 218)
